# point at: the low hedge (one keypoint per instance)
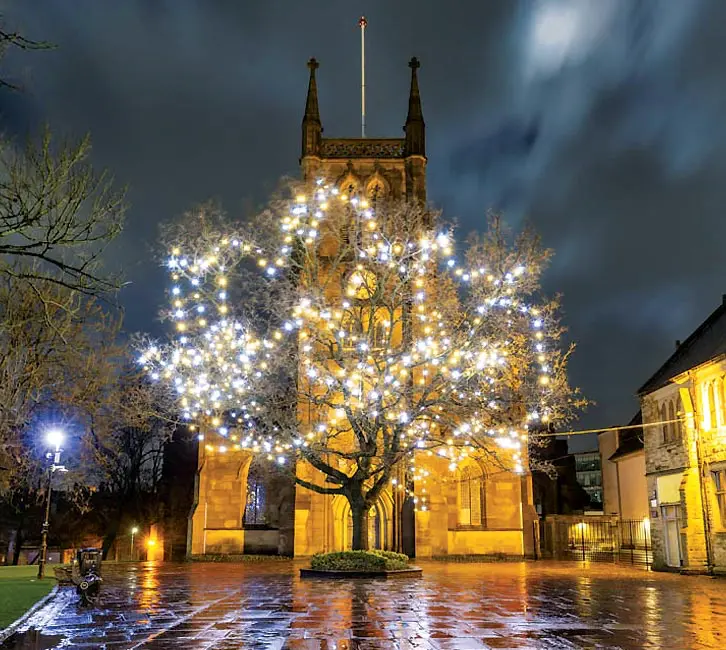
(359, 561)
(491, 557)
(391, 555)
(238, 557)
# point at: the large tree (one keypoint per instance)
(358, 340)
(57, 215)
(48, 334)
(128, 421)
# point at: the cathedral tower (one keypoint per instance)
(478, 509)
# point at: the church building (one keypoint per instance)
(240, 507)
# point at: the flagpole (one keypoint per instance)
(362, 23)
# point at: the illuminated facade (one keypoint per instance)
(476, 509)
(624, 486)
(685, 455)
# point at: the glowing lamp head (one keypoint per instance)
(134, 530)
(54, 438)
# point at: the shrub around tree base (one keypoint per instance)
(357, 561)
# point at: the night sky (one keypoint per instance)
(603, 122)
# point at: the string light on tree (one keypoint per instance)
(395, 347)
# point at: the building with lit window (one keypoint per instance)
(684, 424)
(589, 476)
(622, 458)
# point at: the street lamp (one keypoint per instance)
(134, 530)
(54, 438)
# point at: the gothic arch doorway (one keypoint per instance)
(379, 523)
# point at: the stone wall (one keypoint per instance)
(221, 496)
(701, 447)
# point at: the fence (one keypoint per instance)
(597, 539)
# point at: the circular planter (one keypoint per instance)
(412, 572)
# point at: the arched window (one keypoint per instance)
(680, 414)
(470, 497)
(376, 528)
(349, 185)
(378, 331)
(255, 508)
(671, 424)
(720, 399)
(711, 409)
(376, 188)
(663, 413)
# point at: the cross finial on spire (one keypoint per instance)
(414, 63)
(311, 104)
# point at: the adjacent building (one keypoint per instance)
(684, 426)
(622, 458)
(554, 479)
(589, 476)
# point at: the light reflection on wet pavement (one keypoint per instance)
(458, 606)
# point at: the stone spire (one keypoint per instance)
(415, 128)
(311, 126)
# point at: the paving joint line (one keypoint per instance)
(183, 619)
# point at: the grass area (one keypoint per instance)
(20, 589)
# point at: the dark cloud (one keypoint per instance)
(600, 121)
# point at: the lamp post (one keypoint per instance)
(54, 438)
(134, 530)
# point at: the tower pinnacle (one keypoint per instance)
(311, 126)
(415, 127)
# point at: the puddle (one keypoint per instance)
(32, 640)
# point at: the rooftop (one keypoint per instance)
(707, 342)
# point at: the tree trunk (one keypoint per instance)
(18, 546)
(359, 512)
(109, 538)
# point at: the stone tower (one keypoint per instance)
(475, 510)
(382, 168)
(394, 167)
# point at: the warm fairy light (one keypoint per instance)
(217, 364)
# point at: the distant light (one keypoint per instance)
(55, 437)
(134, 530)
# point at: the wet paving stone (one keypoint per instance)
(453, 606)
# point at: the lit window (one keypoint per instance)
(719, 484)
(379, 334)
(470, 497)
(376, 188)
(255, 507)
(711, 405)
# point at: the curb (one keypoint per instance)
(12, 628)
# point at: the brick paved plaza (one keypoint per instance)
(459, 606)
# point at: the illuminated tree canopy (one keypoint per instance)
(349, 338)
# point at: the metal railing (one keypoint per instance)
(597, 540)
